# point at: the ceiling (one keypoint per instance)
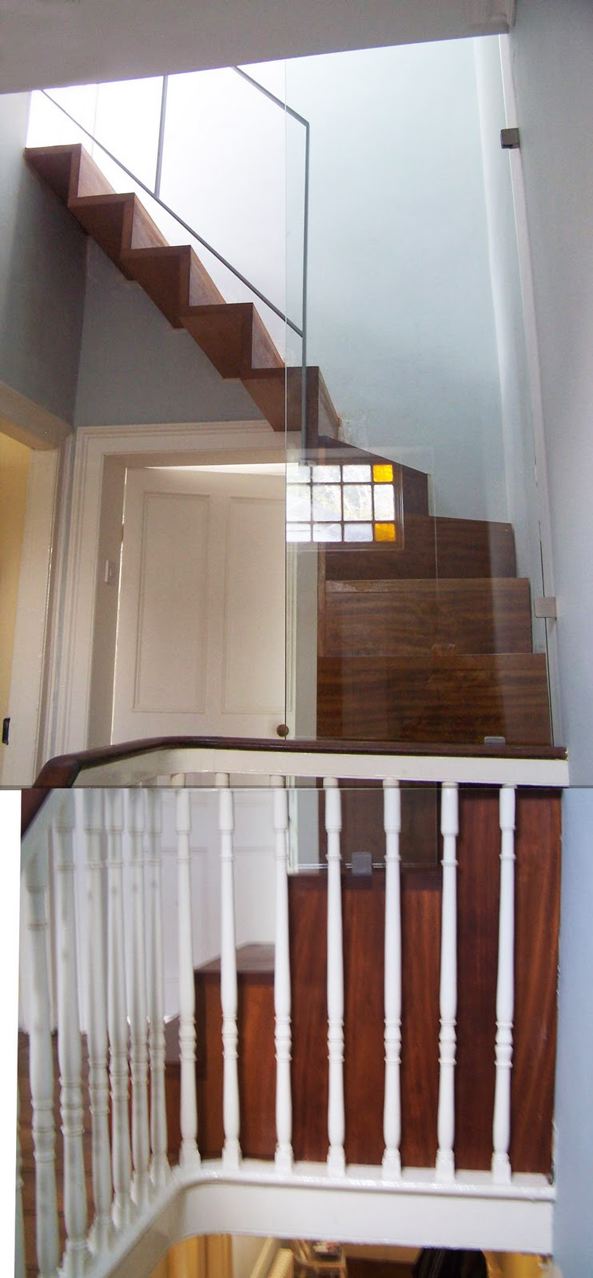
(46, 43)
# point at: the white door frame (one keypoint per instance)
(25, 700)
(70, 659)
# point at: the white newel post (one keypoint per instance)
(159, 1167)
(94, 824)
(187, 1027)
(284, 1157)
(335, 980)
(137, 1003)
(116, 1014)
(69, 1045)
(41, 1070)
(393, 982)
(501, 1166)
(231, 1154)
(445, 1164)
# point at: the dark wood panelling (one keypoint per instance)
(421, 932)
(449, 698)
(401, 618)
(433, 547)
(364, 1070)
(308, 965)
(537, 890)
(478, 850)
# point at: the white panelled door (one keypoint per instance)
(200, 637)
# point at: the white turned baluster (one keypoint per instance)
(187, 1027)
(19, 1228)
(282, 982)
(231, 1153)
(335, 980)
(94, 822)
(159, 1167)
(445, 1164)
(69, 1046)
(392, 981)
(137, 1004)
(501, 1166)
(116, 1015)
(41, 1072)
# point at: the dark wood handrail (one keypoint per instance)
(62, 771)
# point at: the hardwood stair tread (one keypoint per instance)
(401, 617)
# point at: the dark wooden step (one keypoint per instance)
(233, 337)
(448, 697)
(432, 547)
(403, 618)
(278, 393)
(169, 274)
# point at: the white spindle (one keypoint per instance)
(19, 1228)
(116, 1015)
(159, 1167)
(335, 980)
(41, 1072)
(94, 822)
(282, 982)
(69, 1045)
(501, 1166)
(137, 1003)
(445, 1165)
(187, 1028)
(392, 981)
(231, 1153)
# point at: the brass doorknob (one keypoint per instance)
(282, 730)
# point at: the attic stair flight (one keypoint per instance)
(231, 334)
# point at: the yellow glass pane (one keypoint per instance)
(385, 532)
(383, 474)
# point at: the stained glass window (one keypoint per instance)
(356, 502)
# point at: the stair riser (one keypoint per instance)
(403, 618)
(433, 547)
(458, 700)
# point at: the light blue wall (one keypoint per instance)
(552, 49)
(400, 301)
(135, 368)
(41, 276)
(574, 1085)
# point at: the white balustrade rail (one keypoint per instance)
(108, 863)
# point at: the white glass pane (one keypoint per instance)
(384, 502)
(327, 501)
(298, 532)
(356, 474)
(358, 532)
(327, 532)
(297, 473)
(298, 502)
(357, 501)
(326, 474)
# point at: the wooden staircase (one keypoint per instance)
(428, 640)
(232, 335)
(431, 641)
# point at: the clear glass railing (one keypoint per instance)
(413, 549)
